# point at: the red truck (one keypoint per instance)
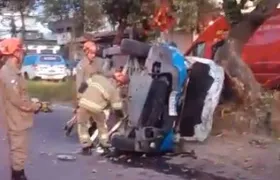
(261, 52)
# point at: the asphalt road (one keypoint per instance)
(48, 140)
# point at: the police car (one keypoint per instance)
(43, 66)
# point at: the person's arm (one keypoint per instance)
(79, 76)
(80, 79)
(13, 94)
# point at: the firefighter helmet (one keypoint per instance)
(10, 46)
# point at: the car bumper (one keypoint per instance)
(52, 77)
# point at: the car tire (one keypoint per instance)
(135, 48)
(64, 79)
(26, 76)
(122, 143)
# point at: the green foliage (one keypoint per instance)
(129, 11)
(186, 14)
(93, 17)
(52, 91)
(189, 12)
(87, 11)
(56, 9)
(17, 5)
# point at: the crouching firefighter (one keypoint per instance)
(97, 95)
(88, 66)
(18, 107)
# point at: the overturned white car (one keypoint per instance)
(175, 95)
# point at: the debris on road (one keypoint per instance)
(102, 161)
(259, 143)
(43, 153)
(64, 157)
(99, 150)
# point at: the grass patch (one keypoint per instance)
(52, 91)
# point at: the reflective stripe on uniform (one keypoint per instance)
(107, 113)
(117, 105)
(99, 87)
(91, 104)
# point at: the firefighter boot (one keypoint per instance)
(18, 175)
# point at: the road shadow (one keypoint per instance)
(159, 163)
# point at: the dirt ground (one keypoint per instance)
(235, 156)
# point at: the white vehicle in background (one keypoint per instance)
(44, 66)
(71, 67)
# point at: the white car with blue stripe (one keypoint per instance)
(44, 66)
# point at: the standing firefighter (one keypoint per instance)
(18, 108)
(95, 96)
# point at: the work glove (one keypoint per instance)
(46, 107)
(39, 107)
(42, 106)
(121, 78)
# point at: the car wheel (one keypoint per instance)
(26, 76)
(122, 143)
(135, 48)
(64, 79)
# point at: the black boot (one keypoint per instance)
(18, 175)
(87, 151)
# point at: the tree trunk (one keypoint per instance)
(251, 110)
(120, 32)
(13, 27)
(21, 11)
(82, 18)
(241, 77)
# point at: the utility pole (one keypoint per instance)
(13, 27)
(82, 16)
(21, 10)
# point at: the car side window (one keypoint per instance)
(198, 50)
